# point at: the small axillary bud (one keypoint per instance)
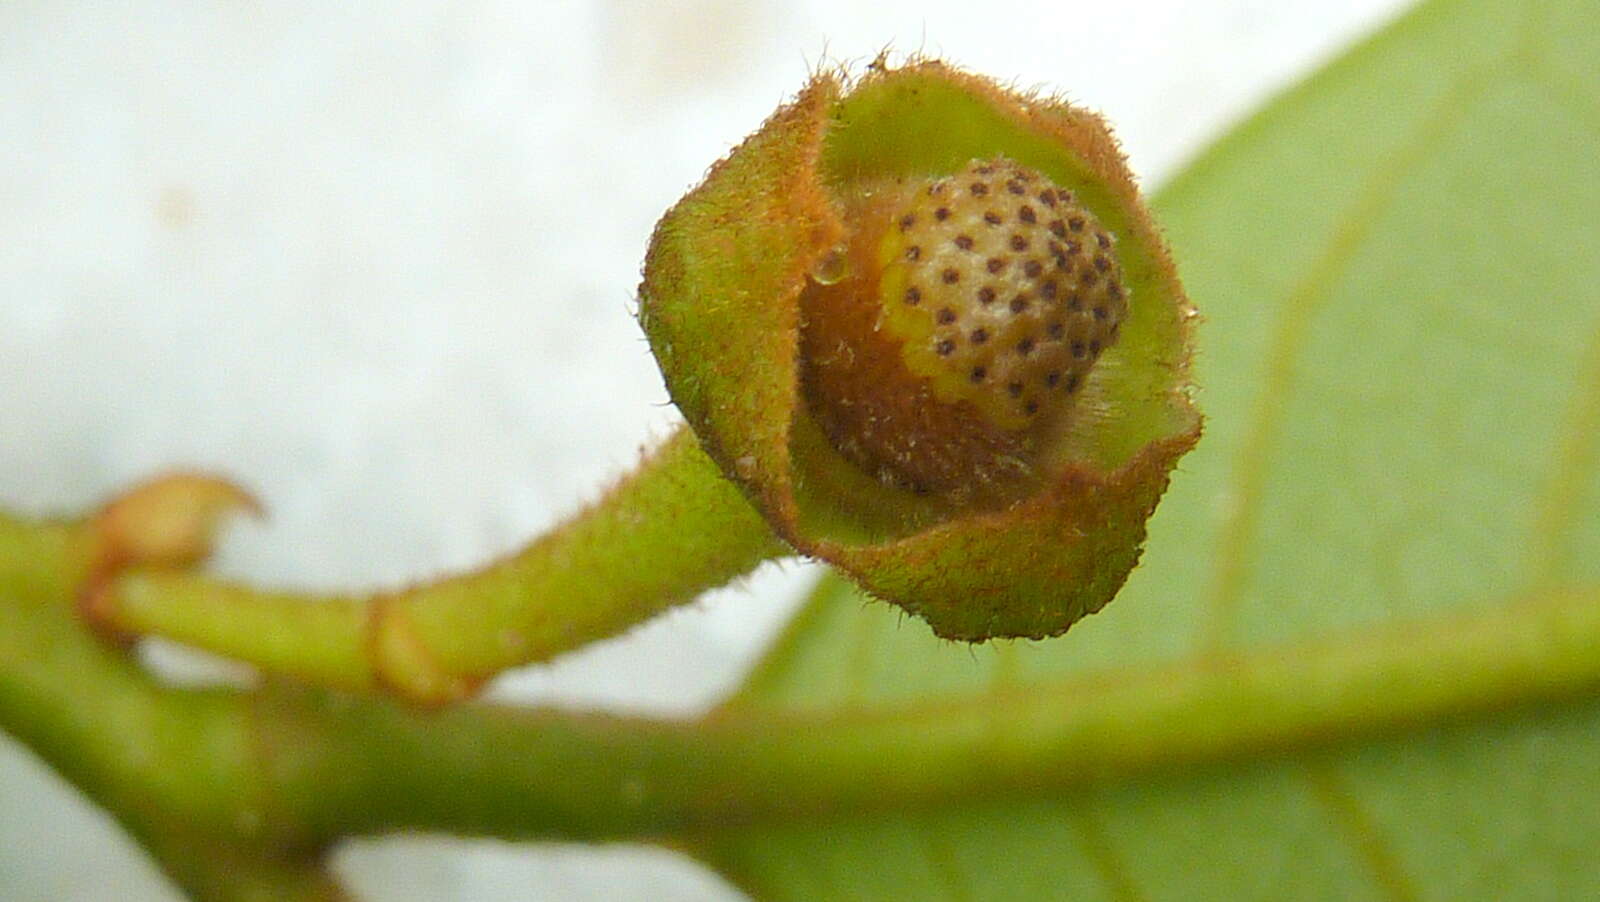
(948, 340)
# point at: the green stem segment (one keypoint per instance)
(282, 771)
(669, 531)
(752, 765)
(183, 771)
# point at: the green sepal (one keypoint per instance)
(720, 304)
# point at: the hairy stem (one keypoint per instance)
(183, 771)
(672, 529)
(748, 765)
(224, 782)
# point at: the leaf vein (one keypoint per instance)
(1291, 335)
(1097, 846)
(1352, 822)
(941, 861)
(1562, 502)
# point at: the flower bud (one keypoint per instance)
(927, 325)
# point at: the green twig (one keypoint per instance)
(276, 774)
(183, 771)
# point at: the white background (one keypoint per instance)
(376, 262)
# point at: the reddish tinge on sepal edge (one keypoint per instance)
(927, 325)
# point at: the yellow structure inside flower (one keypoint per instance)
(972, 309)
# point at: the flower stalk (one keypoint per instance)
(660, 537)
(922, 329)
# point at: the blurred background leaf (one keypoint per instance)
(1398, 263)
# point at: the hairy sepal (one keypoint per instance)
(720, 304)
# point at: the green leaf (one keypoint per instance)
(1399, 267)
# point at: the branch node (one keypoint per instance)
(404, 664)
(168, 521)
